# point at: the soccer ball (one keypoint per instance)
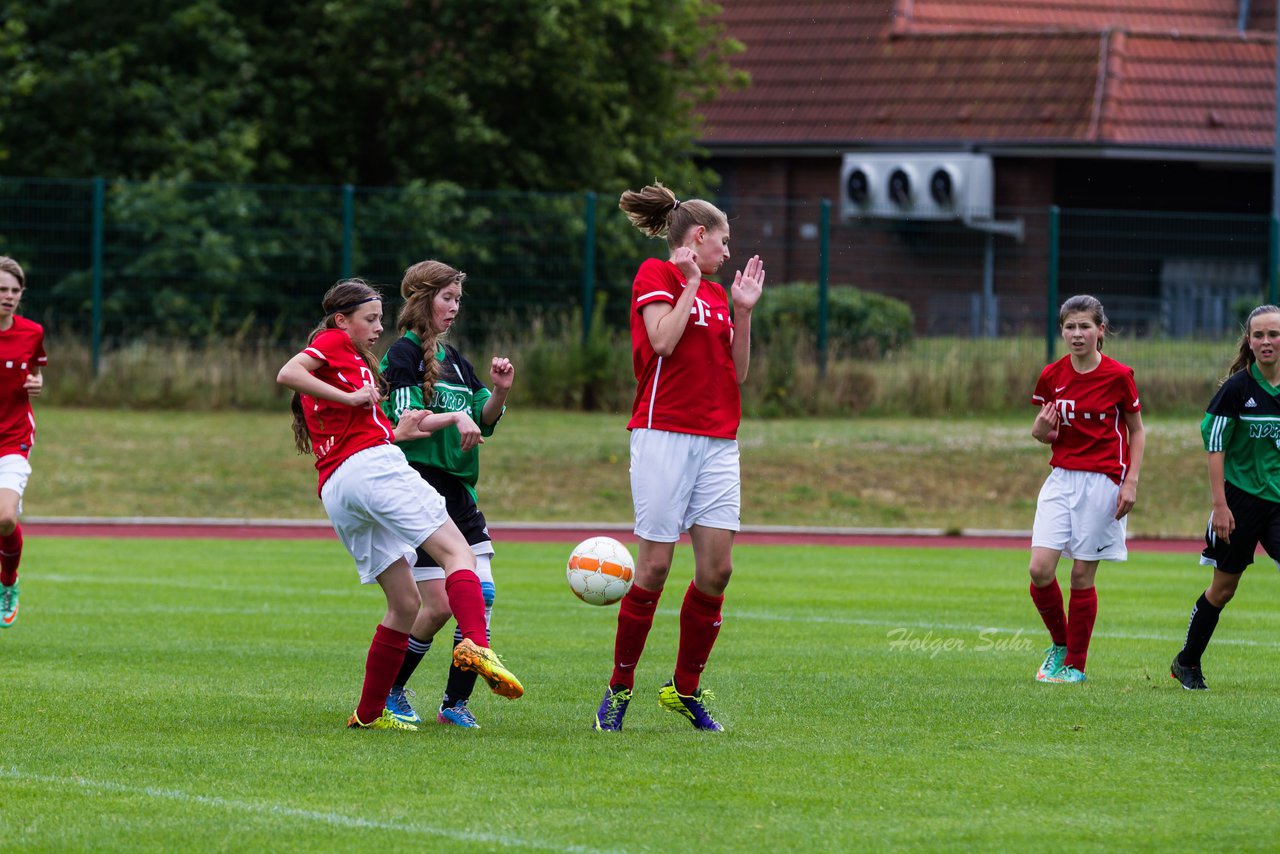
(600, 571)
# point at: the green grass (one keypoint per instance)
(542, 465)
(190, 695)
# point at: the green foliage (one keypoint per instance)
(93, 87)
(859, 323)
(546, 95)
(562, 370)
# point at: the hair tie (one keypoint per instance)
(677, 207)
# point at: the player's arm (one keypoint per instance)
(1137, 445)
(665, 323)
(503, 374)
(745, 293)
(298, 374)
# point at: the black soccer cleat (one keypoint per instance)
(1190, 677)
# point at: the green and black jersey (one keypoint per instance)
(457, 389)
(1243, 422)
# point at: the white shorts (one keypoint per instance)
(381, 509)
(1075, 514)
(14, 472)
(679, 480)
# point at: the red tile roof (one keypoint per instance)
(928, 72)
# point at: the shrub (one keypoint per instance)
(862, 323)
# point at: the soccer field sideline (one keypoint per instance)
(551, 532)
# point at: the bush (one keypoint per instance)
(862, 323)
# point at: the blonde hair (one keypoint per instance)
(421, 283)
(13, 268)
(657, 212)
(342, 298)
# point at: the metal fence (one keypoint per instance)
(114, 261)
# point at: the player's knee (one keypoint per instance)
(8, 523)
(1220, 594)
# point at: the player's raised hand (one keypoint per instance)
(502, 372)
(747, 284)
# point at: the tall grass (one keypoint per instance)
(931, 377)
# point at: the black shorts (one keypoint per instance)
(1257, 521)
(459, 504)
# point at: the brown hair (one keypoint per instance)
(419, 287)
(1244, 355)
(657, 212)
(1090, 305)
(343, 298)
(13, 268)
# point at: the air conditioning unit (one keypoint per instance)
(943, 185)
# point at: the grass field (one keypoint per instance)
(189, 695)
(955, 473)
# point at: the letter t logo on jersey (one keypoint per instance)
(700, 308)
(1066, 411)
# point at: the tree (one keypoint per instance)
(137, 90)
(554, 95)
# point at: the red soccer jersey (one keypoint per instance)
(695, 389)
(1092, 432)
(337, 430)
(21, 349)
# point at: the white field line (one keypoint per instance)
(270, 809)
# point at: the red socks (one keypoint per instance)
(635, 618)
(1081, 613)
(466, 600)
(386, 653)
(699, 626)
(10, 557)
(1048, 601)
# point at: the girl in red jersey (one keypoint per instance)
(21, 358)
(690, 354)
(1090, 415)
(380, 508)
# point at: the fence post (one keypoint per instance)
(1273, 275)
(348, 229)
(1051, 300)
(98, 224)
(824, 270)
(588, 265)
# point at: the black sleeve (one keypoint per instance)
(404, 361)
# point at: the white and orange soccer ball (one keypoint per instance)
(600, 571)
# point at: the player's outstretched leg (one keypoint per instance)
(469, 655)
